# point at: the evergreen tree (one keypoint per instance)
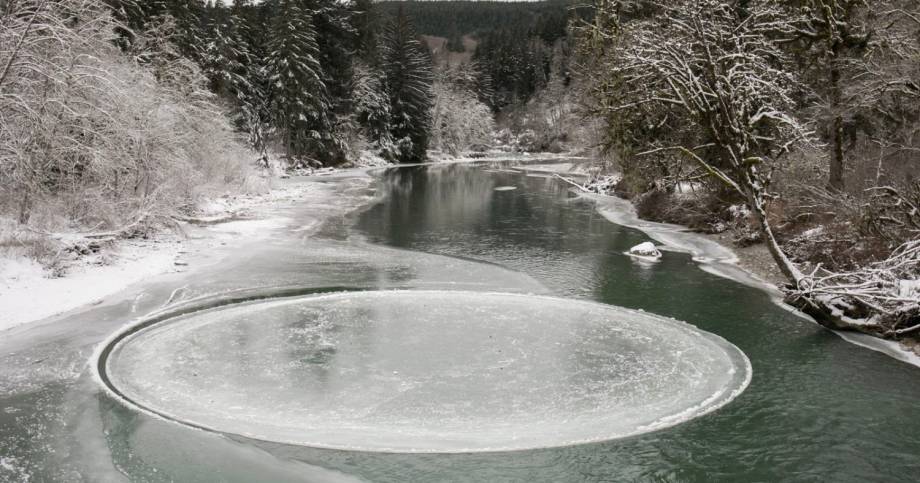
(409, 79)
(300, 103)
(188, 19)
(367, 26)
(236, 75)
(131, 20)
(372, 105)
(336, 38)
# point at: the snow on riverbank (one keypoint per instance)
(719, 259)
(28, 292)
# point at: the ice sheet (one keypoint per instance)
(425, 371)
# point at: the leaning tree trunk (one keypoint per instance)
(823, 314)
(788, 269)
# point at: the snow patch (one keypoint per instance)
(255, 229)
(909, 289)
(27, 295)
(19, 268)
(370, 159)
(645, 250)
(10, 467)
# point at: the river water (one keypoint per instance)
(817, 408)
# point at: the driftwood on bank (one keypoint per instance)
(882, 299)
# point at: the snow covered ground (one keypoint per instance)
(28, 292)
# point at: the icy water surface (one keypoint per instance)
(817, 408)
(422, 371)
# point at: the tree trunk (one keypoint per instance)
(788, 269)
(25, 208)
(835, 181)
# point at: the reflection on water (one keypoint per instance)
(537, 229)
(818, 409)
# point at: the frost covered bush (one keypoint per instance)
(91, 138)
(459, 120)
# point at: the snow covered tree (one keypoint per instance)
(336, 37)
(459, 120)
(366, 23)
(705, 82)
(130, 18)
(237, 76)
(720, 85)
(408, 78)
(189, 36)
(300, 102)
(834, 35)
(372, 106)
(855, 55)
(136, 16)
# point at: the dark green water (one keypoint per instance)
(818, 408)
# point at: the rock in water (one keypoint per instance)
(646, 250)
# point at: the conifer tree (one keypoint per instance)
(365, 20)
(372, 105)
(299, 100)
(236, 75)
(409, 79)
(336, 37)
(130, 19)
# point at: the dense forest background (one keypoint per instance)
(120, 115)
(791, 123)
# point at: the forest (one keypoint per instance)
(121, 112)
(790, 123)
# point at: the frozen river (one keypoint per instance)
(389, 356)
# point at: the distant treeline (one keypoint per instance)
(518, 43)
(289, 71)
(547, 19)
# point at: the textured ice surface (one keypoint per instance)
(426, 371)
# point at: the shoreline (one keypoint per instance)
(25, 301)
(29, 297)
(754, 262)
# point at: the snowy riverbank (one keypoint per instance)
(751, 265)
(28, 292)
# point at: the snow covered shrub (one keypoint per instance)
(459, 120)
(89, 135)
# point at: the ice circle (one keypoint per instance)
(421, 371)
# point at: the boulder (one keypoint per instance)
(646, 250)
